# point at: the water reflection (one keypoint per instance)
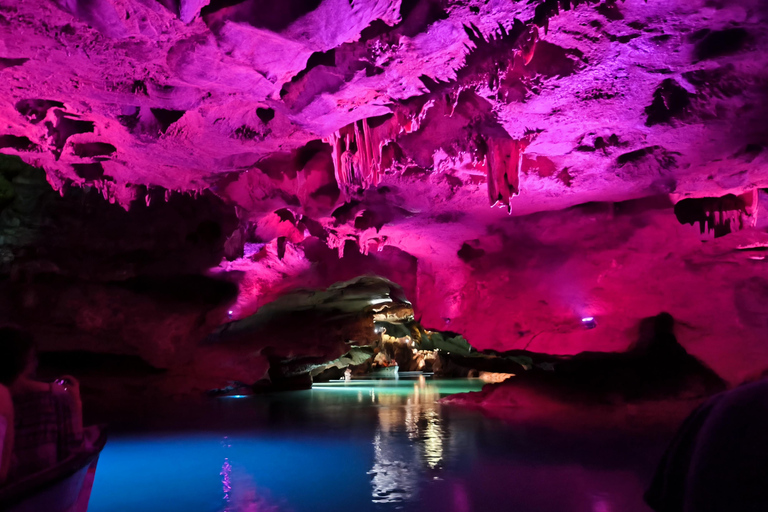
(226, 480)
(397, 465)
(240, 491)
(408, 439)
(371, 447)
(241, 494)
(392, 480)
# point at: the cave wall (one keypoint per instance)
(84, 274)
(155, 281)
(528, 282)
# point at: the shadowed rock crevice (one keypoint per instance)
(670, 101)
(89, 172)
(18, 143)
(35, 110)
(10, 63)
(93, 149)
(148, 123)
(65, 126)
(166, 117)
(721, 42)
(274, 16)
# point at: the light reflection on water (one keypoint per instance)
(394, 474)
(366, 446)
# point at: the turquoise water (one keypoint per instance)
(360, 446)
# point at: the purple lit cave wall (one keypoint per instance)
(170, 167)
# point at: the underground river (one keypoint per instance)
(368, 445)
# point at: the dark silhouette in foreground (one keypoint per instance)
(718, 461)
(48, 422)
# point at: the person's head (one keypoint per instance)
(16, 354)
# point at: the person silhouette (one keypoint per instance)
(718, 460)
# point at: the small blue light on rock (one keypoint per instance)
(589, 322)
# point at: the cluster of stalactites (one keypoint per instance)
(356, 160)
(719, 216)
(357, 157)
(721, 222)
(357, 150)
(126, 195)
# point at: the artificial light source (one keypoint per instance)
(589, 322)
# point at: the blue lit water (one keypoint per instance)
(365, 446)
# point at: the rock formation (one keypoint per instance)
(513, 166)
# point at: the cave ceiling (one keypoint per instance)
(363, 116)
(514, 166)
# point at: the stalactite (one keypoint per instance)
(357, 156)
(64, 187)
(528, 47)
(717, 216)
(413, 124)
(503, 161)
(357, 151)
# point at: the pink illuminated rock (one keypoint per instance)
(177, 88)
(378, 136)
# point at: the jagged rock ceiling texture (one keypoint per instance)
(405, 132)
(561, 102)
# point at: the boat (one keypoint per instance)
(385, 372)
(65, 487)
